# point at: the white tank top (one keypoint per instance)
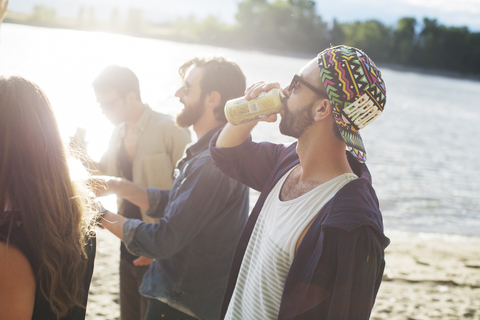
(271, 249)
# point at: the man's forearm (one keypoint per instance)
(132, 192)
(113, 223)
(232, 136)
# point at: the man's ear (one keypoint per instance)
(322, 109)
(213, 99)
(131, 98)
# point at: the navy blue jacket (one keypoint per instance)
(338, 267)
(193, 242)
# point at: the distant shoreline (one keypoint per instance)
(434, 72)
(292, 54)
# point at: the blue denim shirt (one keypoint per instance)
(201, 219)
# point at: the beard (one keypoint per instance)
(190, 114)
(294, 124)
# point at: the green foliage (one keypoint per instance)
(447, 48)
(212, 30)
(42, 14)
(337, 35)
(291, 25)
(115, 18)
(404, 41)
(294, 26)
(134, 22)
(92, 17)
(370, 36)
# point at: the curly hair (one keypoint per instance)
(35, 180)
(220, 75)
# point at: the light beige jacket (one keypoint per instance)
(159, 144)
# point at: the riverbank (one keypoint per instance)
(433, 72)
(426, 277)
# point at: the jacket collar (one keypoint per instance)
(355, 204)
(202, 144)
(141, 123)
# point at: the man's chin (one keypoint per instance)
(287, 129)
(182, 124)
(283, 128)
(189, 115)
(183, 120)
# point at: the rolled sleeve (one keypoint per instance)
(129, 228)
(182, 218)
(157, 201)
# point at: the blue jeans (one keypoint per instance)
(157, 310)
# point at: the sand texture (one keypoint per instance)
(430, 278)
(426, 277)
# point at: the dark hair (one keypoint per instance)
(121, 79)
(220, 75)
(336, 132)
(35, 179)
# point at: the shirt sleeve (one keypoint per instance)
(193, 203)
(359, 265)
(157, 201)
(344, 281)
(250, 163)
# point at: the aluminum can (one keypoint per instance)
(240, 111)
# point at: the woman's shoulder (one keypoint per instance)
(12, 258)
(17, 289)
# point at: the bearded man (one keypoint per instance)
(200, 218)
(313, 246)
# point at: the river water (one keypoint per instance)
(423, 151)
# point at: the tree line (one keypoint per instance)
(294, 27)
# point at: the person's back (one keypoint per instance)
(47, 246)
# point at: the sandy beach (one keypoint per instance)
(429, 277)
(426, 277)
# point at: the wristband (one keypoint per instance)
(101, 210)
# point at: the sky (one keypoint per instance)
(447, 12)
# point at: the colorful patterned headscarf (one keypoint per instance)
(356, 91)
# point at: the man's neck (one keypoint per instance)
(317, 166)
(203, 126)
(321, 160)
(135, 115)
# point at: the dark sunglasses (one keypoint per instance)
(296, 79)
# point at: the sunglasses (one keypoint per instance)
(295, 84)
(186, 89)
